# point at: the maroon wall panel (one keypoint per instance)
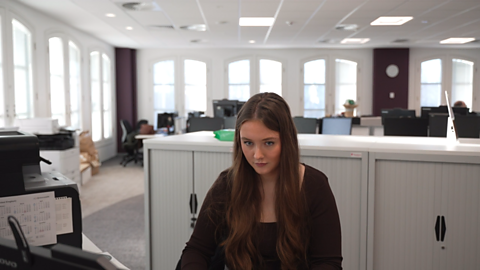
(384, 87)
(126, 92)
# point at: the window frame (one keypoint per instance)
(208, 98)
(447, 77)
(152, 83)
(32, 71)
(103, 141)
(303, 61)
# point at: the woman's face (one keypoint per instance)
(261, 147)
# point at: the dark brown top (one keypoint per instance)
(325, 250)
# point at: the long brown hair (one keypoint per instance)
(243, 212)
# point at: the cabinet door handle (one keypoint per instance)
(444, 229)
(437, 228)
(193, 203)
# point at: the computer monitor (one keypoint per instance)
(229, 122)
(337, 125)
(396, 113)
(405, 127)
(204, 124)
(425, 111)
(467, 126)
(437, 124)
(225, 108)
(18, 254)
(305, 125)
(166, 120)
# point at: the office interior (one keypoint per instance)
(132, 92)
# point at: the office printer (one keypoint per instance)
(20, 174)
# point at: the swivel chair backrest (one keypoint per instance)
(126, 129)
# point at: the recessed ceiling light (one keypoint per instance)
(391, 20)
(256, 21)
(251, 41)
(110, 15)
(458, 40)
(129, 28)
(198, 40)
(194, 27)
(347, 27)
(354, 40)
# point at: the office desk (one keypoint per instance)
(387, 189)
(88, 245)
(148, 136)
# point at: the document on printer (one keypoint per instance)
(63, 210)
(36, 214)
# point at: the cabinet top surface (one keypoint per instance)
(205, 140)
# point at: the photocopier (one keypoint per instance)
(20, 174)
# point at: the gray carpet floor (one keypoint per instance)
(120, 230)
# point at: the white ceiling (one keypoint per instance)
(313, 22)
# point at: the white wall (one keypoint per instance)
(42, 26)
(217, 60)
(292, 59)
(418, 55)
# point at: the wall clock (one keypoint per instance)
(392, 71)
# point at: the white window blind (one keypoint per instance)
(239, 80)
(75, 85)
(22, 61)
(431, 83)
(346, 83)
(107, 96)
(270, 76)
(314, 88)
(462, 81)
(195, 86)
(57, 80)
(95, 96)
(164, 86)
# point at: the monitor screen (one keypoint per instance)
(405, 127)
(204, 124)
(467, 126)
(396, 113)
(226, 107)
(425, 111)
(166, 120)
(437, 125)
(337, 125)
(305, 125)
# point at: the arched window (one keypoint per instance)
(314, 88)
(22, 61)
(101, 95)
(270, 76)
(431, 83)
(57, 80)
(75, 85)
(462, 81)
(164, 86)
(345, 83)
(239, 80)
(195, 73)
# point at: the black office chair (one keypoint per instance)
(305, 125)
(129, 143)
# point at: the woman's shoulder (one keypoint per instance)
(221, 183)
(314, 178)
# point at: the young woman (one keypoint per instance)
(268, 210)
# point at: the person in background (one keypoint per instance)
(268, 210)
(459, 103)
